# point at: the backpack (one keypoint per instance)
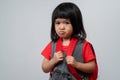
(61, 70)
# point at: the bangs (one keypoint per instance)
(62, 14)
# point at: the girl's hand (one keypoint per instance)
(71, 60)
(58, 56)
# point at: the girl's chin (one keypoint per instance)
(64, 38)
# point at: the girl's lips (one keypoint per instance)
(61, 32)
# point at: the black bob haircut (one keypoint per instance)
(68, 10)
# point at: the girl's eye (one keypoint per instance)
(67, 22)
(57, 22)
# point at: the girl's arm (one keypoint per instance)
(88, 67)
(48, 65)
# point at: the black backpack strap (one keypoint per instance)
(53, 48)
(78, 51)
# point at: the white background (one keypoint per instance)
(25, 31)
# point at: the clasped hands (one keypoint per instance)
(59, 56)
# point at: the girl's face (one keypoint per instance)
(63, 28)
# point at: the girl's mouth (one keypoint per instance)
(61, 33)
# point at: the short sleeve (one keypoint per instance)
(47, 51)
(88, 52)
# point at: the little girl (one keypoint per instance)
(69, 56)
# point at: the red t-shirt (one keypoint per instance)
(87, 53)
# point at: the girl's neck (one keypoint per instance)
(66, 42)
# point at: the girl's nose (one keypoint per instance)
(62, 26)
